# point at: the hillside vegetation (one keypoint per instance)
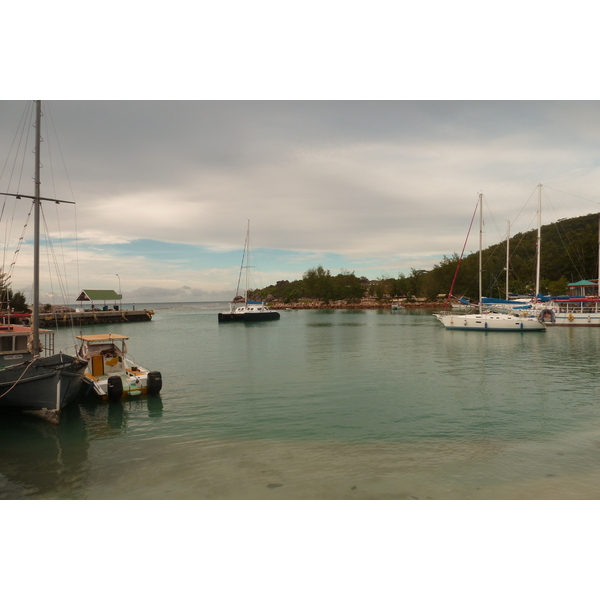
(569, 253)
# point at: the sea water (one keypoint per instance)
(324, 404)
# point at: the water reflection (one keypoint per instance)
(110, 419)
(155, 406)
(42, 460)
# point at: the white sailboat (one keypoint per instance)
(489, 321)
(578, 310)
(241, 308)
(33, 378)
(572, 311)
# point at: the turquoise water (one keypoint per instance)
(325, 405)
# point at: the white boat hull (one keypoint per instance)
(490, 322)
(110, 374)
(576, 320)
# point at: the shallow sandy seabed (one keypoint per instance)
(259, 470)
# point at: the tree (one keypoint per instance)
(18, 303)
(382, 287)
(317, 283)
(347, 286)
(558, 288)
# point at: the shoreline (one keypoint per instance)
(343, 304)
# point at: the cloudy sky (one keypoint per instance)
(165, 188)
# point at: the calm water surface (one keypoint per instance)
(325, 405)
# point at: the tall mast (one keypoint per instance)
(480, 247)
(247, 265)
(35, 332)
(507, 257)
(538, 247)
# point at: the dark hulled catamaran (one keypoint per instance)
(241, 309)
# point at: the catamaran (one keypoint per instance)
(241, 309)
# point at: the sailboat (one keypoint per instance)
(241, 309)
(489, 321)
(579, 310)
(33, 378)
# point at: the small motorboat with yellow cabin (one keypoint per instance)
(110, 373)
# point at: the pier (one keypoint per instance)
(66, 318)
(94, 317)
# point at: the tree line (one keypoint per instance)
(569, 252)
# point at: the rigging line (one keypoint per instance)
(20, 242)
(48, 247)
(63, 280)
(52, 253)
(60, 152)
(579, 256)
(491, 216)
(62, 250)
(252, 254)
(77, 248)
(9, 154)
(49, 147)
(523, 207)
(19, 129)
(566, 248)
(237, 291)
(35, 358)
(25, 128)
(461, 255)
(64, 164)
(573, 195)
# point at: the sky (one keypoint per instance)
(164, 189)
(352, 141)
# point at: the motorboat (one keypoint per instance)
(110, 373)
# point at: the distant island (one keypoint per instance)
(569, 253)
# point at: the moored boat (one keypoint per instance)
(249, 311)
(110, 373)
(33, 378)
(489, 320)
(241, 309)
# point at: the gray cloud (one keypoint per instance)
(385, 181)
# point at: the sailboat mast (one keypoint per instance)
(480, 247)
(539, 242)
(35, 331)
(247, 265)
(507, 256)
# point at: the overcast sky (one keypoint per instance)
(165, 188)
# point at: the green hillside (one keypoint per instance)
(569, 253)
